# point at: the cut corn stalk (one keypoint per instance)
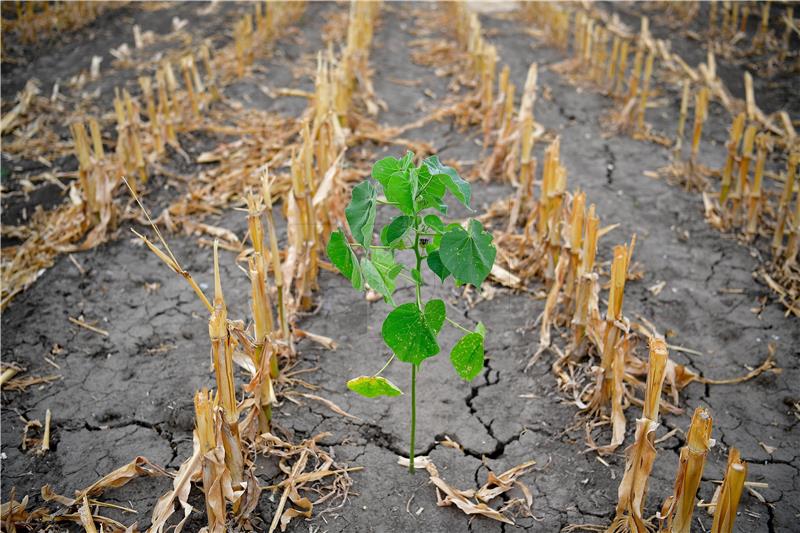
(678, 509)
(222, 356)
(733, 148)
(727, 501)
(642, 453)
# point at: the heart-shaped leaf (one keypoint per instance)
(400, 189)
(436, 265)
(469, 255)
(407, 331)
(434, 315)
(430, 191)
(387, 167)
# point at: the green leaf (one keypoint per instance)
(433, 222)
(388, 267)
(400, 189)
(407, 160)
(407, 332)
(434, 315)
(360, 212)
(454, 183)
(344, 259)
(480, 329)
(430, 192)
(436, 265)
(396, 229)
(467, 356)
(416, 275)
(376, 280)
(468, 255)
(372, 386)
(387, 167)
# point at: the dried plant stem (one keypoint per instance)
(754, 199)
(700, 114)
(641, 454)
(729, 494)
(682, 120)
(46, 436)
(733, 149)
(222, 355)
(168, 258)
(680, 506)
(648, 71)
(276, 265)
(744, 168)
(783, 204)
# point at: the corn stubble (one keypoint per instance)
(679, 507)
(230, 433)
(555, 237)
(93, 211)
(742, 203)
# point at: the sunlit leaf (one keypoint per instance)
(373, 386)
(467, 356)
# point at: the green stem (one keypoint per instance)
(379, 372)
(413, 416)
(385, 202)
(418, 290)
(456, 324)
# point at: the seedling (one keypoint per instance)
(466, 252)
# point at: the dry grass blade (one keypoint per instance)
(181, 485)
(11, 381)
(90, 327)
(327, 403)
(473, 502)
(139, 467)
(168, 258)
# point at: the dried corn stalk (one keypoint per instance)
(727, 501)
(642, 453)
(679, 507)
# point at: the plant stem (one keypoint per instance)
(418, 290)
(456, 324)
(379, 372)
(413, 416)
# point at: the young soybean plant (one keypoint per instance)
(411, 329)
